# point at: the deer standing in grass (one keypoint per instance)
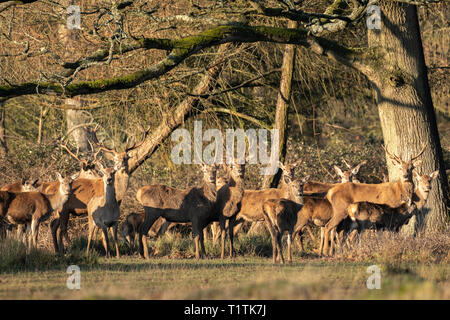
(84, 190)
(104, 212)
(318, 210)
(31, 208)
(368, 215)
(228, 203)
(392, 194)
(195, 205)
(280, 215)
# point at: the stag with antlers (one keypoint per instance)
(392, 194)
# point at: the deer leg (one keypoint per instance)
(331, 224)
(289, 243)
(149, 220)
(54, 225)
(105, 240)
(231, 236)
(34, 232)
(63, 222)
(222, 237)
(114, 235)
(279, 236)
(313, 238)
(215, 230)
(274, 238)
(92, 229)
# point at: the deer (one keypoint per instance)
(251, 208)
(280, 215)
(318, 210)
(21, 186)
(367, 215)
(104, 212)
(130, 226)
(85, 188)
(195, 205)
(346, 176)
(392, 194)
(32, 208)
(228, 202)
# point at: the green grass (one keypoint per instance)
(175, 274)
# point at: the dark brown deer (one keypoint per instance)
(392, 194)
(193, 205)
(31, 208)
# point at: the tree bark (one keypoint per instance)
(281, 115)
(405, 106)
(75, 119)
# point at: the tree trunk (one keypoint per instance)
(405, 107)
(284, 96)
(76, 119)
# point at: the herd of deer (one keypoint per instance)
(339, 209)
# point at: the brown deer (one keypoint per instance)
(228, 202)
(130, 226)
(84, 190)
(318, 210)
(280, 215)
(31, 208)
(368, 215)
(21, 186)
(193, 205)
(392, 194)
(251, 204)
(104, 212)
(346, 176)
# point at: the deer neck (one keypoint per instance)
(110, 192)
(209, 190)
(420, 198)
(121, 183)
(57, 199)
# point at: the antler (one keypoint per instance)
(393, 157)
(421, 151)
(345, 162)
(63, 145)
(134, 146)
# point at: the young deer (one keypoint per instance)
(228, 203)
(368, 215)
(393, 194)
(280, 215)
(130, 226)
(31, 208)
(195, 205)
(104, 212)
(346, 176)
(251, 204)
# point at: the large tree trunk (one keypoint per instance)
(76, 119)
(405, 107)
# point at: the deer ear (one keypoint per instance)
(434, 174)
(58, 175)
(338, 171)
(415, 174)
(75, 176)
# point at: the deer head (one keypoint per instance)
(406, 167)
(350, 174)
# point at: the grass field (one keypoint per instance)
(250, 276)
